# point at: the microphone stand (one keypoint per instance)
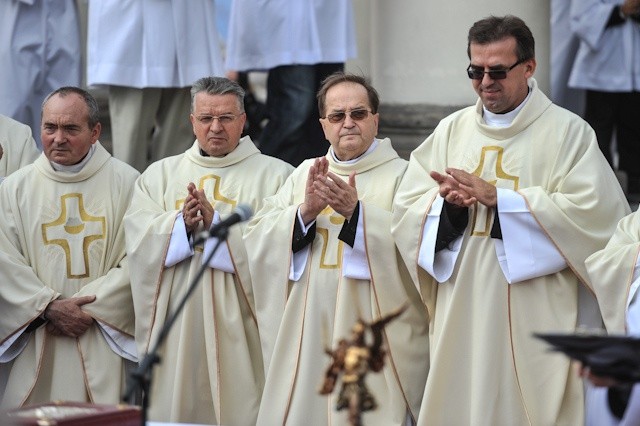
(140, 378)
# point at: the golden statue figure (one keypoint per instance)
(354, 359)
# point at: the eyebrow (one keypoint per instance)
(352, 109)
(64, 126)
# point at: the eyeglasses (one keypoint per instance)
(476, 73)
(355, 114)
(223, 119)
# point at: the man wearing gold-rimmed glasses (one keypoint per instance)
(330, 260)
(211, 368)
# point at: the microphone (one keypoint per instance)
(241, 213)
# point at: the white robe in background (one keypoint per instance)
(152, 43)
(608, 59)
(564, 45)
(266, 34)
(39, 52)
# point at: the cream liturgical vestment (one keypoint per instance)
(61, 236)
(612, 272)
(18, 146)
(299, 319)
(615, 272)
(211, 367)
(486, 368)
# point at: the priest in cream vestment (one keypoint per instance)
(18, 148)
(313, 277)
(211, 365)
(67, 319)
(494, 218)
(615, 273)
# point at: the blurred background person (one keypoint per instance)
(607, 65)
(300, 44)
(148, 52)
(40, 51)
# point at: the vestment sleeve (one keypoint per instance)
(23, 296)
(612, 271)
(588, 19)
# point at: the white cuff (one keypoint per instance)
(221, 260)
(305, 228)
(298, 263)
(354, 259)
(14, 345)
(120, 343)
(525, 251)
(439, 265)
(180, 244)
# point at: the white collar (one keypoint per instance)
(74, 168)
(355, 160)
(503, 120)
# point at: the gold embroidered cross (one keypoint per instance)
(74, 230)
(490, 169)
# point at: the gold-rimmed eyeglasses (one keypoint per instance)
(222, 119)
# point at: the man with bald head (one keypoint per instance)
(322, 258)
(494, 218)
(63, 264)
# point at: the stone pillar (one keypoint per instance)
(415, 52)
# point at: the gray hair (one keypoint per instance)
(217, 86)
(89, 100)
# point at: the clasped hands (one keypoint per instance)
(196, 209)
(462, 189)
(66, 318)
(325, 188)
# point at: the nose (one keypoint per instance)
(486, 79)
(215, 125)
(348, 121)
(59, 136)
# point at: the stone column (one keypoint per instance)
(415, 52)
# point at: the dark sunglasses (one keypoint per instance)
(476, 73)
(355, 114)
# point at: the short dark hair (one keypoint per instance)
(217, 86)
(89, 100)
(496, 28)
(343, 77)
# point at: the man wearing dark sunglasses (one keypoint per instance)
(322, 255)
(494, 217)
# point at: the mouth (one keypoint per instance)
(349, 134)
(490, 89)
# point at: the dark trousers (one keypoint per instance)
(609, 111)
(293, 132)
